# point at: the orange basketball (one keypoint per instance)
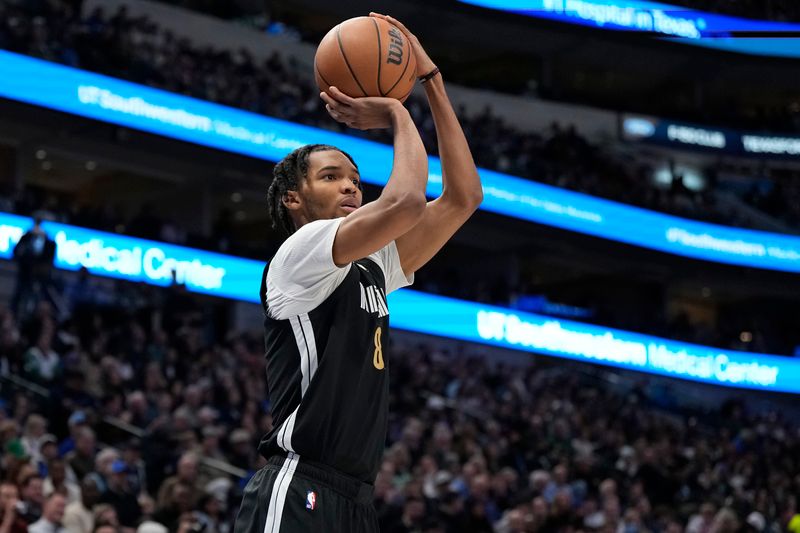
(366, 56)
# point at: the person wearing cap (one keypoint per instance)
(119, 495)
(48, 450)
(76, 421)
(132, 456)
(15, 455)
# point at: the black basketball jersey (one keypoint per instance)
(327, 373)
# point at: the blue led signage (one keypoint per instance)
(678, 24)
(207, 124)
(140, 260)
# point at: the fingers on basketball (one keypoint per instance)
(366, 56)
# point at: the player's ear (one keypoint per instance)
(291, 200)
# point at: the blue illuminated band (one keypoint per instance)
(140, 260)
(472, 322)
(207, 124)
(677, 24)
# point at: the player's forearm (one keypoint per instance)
(460, 180)
(410, 168)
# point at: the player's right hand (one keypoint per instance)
(365, 113)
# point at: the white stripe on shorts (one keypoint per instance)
(277, 498)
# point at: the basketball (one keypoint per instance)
(366, 56)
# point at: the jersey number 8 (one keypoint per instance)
(377, 356)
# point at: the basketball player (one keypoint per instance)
(326, 317)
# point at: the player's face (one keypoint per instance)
(331, 188)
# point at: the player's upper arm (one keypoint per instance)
(376, 224)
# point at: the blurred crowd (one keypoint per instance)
(138, 396)
(137, 49)
(142, 410)
(146, 221)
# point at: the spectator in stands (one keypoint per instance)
(33, 254)
(702, 521)
(105, 516)
(33, 435)
(120, 496)
(11, 520)
(53, 514)
(82, 458)
(174, 507)
(75, 422)
(48, 451)
(131, 453)
(42, 364)
(725, 521)
(186, 476)
(78, 515)
(58, 481)
(103, 464)
(32, 495)
(241, 444)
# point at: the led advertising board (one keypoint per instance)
(141, 260)
(708, 138)
(127, 104)
(667, 22)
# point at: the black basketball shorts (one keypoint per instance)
(291, 495)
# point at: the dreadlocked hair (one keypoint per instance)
(286, 177)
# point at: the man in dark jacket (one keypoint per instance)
(34, 254)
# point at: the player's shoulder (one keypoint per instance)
(309, 231)
(307, 236)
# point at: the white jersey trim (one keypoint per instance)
(307, 347)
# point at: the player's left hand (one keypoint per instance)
(424, 63)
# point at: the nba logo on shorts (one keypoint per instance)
(311, 500)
